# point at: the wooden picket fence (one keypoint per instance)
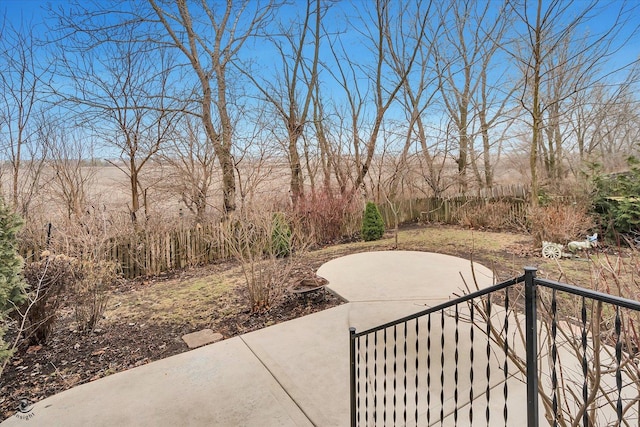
(152, 253)
(453, 210)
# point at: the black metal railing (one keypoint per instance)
(556, 352)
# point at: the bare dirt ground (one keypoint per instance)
(146, 319)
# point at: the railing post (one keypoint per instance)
(352, 386)
(531, 299)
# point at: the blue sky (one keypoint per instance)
(14, 10)
(31, 12)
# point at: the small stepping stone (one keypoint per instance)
(200, 338)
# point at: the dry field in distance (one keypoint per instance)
(258, 183)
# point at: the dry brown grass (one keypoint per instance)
(186, 299)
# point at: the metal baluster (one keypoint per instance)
(455, 372)
(471, 356)
(554, 356)
(441, 366)
(384, 380)
(505, 391)
(375, 377)
(429, 369)
(416, 379)
(366, 380)
(488, 370)
(395, 370)
(404, 396)
(358, 381)
(618, 362)
(585, 384)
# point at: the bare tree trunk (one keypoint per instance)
(536, 114)
(323, 144)
(394, 55)
(217, 53)
(297, 70)
(133, 187)
(224, 144)
(486, 153)
(297, 179)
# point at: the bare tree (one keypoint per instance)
(604, 123)
(290, 89)
(257, 167)
(70, 162)
(22, 114)
(432, 155)
(210, 43)
(393, 37)
(333, 132)
(465, 54)
(326, 158)
(552, 45)
(418, 96)
(558, 92)
(190, 159)
(120, 91)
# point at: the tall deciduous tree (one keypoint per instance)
(211, 38)
(393, 33)
(120, 91)
(22, 113)
(555, 45)
(418, 97)
(289, 90)
(604, 123)
(473, 33)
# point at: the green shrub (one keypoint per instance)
(280, 236)
(12, 289)
(372, 223)
(11, 285)
(617, 199)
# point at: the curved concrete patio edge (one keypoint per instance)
(403, 276)
(295, 373)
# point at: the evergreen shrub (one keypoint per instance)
(372, 223)
(617, 199)
(280, 236)
(12, 289)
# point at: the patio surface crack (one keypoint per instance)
(278, 381)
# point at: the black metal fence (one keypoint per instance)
(526, 347)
